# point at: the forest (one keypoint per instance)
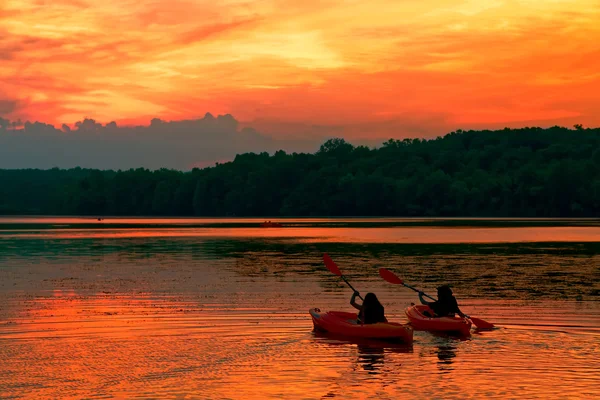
(527, 172)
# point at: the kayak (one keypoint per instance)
(345, 323)
(421, 322)
(439, 324)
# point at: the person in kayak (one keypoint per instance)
(371, 311)
(446, 304)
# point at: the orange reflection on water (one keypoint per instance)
(74, 346)
(79, 319)
(70, 345)
(340, 235)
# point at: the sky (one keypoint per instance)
(304, 69)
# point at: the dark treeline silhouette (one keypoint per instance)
(531, 172)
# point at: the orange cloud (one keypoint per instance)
(381, 67)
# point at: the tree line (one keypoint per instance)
(528, 172)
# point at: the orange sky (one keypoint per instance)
(365, 67)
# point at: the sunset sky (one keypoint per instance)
(373, 68)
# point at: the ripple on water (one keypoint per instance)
(219, 320)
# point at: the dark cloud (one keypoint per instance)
(178, 144)
(7, 106)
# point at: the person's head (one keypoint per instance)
(371, 300)
(444, 291)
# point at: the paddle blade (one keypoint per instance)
(481, 324)
(330, 264)
(390, 276)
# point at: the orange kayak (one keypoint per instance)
(345, 323)
(421, 322)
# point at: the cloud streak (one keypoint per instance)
(347, 65)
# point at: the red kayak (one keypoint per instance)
(421, 322)
(345, 323)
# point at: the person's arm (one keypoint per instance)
(457, 310)
(383, 318)
(353, 302)
(423, 301)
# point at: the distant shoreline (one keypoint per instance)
(511, 173)
(125, 222)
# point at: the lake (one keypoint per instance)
(218, 308)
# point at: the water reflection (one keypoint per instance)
(559, 271)
(446, 355)
(370, 353)
(445, 347)
(340, 340)
(173, 346)
(313, 235)
(370, 358)
(227, 318)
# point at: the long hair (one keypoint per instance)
(444, 292)
(371, 301)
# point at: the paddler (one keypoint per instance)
(446, 304)
(371, 311)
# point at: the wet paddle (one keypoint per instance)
(481, 324)
(332, 266)
(392, 278)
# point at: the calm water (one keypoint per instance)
(217, 309)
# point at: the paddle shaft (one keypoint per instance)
(348, 283)
(417, 290)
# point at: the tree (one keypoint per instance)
(513, 172)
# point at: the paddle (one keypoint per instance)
(392, 278)
(332, 266)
